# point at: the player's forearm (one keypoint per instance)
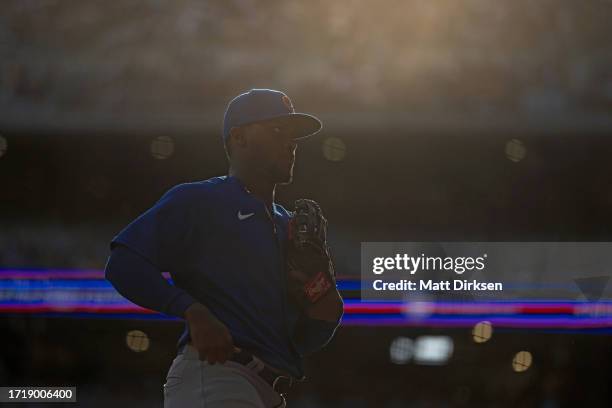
(142, 283)
(313, 333)
(329, 308)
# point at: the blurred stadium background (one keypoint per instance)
(443, 120)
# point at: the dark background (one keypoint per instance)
(428, 98)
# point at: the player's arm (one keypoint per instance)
(311, 278)
(158, 240)
(209, 336)
(155, 242)
(329, 308)
(318, 324)
(141, 282)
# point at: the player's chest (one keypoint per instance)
(250, 230)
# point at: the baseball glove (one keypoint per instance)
(310, 270)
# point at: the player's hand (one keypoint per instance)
(208, 335)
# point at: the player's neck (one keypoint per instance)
(256, 185)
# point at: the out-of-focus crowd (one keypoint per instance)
(188, 56)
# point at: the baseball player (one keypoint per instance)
(253, 281)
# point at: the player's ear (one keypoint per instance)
(237, 137)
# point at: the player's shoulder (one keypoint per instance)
(200, 189)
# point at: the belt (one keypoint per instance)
(279, 382)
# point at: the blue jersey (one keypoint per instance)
(224, 249)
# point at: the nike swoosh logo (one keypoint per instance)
(242, 216)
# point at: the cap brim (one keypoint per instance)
(303, 124)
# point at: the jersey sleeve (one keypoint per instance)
(142, 283)
(162, 234)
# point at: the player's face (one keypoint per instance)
(273, 148)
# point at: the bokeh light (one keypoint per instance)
(482, 332)
(419, 309)
(433, 350)
(334, 149)
(137, 341)
(522, 361)
(162, 147)
(515, 150)
(401, 350)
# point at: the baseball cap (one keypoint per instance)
(258, 105)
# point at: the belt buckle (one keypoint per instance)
(278, 387)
